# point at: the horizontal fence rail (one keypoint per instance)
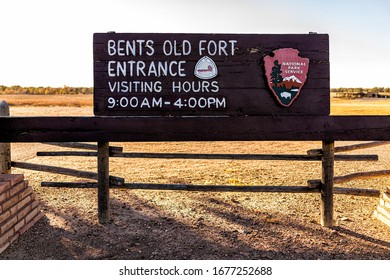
(244, 128)
(114, 180)
(215, 156)
(348, 148)
(218, 188)
(84, 146)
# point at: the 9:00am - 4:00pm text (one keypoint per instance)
(191, 102)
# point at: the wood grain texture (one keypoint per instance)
(103, 182)
(327, 184)
(255, 128)
(214, 156)
(240, 78)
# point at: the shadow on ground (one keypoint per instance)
(142, 230)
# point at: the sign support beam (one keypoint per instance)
(327, 183)
(103, 182)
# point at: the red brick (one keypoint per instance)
(19, 225)
(27, 191)
(17, 188)
(19, 210)
(35, 203)
(25, 200)
(3, 196)
(4, 186)
(4, 246)
(32, 214)
(13, 179)
(14, 209)
(10, 202)
(6, 236)
(7, 224)
(24, 210)
(5, 216)
(20, 204)
(32, 222)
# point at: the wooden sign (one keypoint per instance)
(211, 74)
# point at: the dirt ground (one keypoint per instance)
(200, 225)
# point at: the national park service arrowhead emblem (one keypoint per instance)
(286, 74)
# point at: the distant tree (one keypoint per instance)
(359, 89)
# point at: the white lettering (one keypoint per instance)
(220, 47)
(180, 69)
(167, 47)
(112, 86)
(146, 69)
(110, 69)
(140, 44)
(221, 103)
(175, 48)
(232, 46)
(111, 47)
(186, 46)
(199, 86)
(130, 47)
(134, 102)
(145, 103)
(212, 47)
(135, 86)
(176, 87)
(120, 48)
(201, 47)
(149, 45)
(157, 102)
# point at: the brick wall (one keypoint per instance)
(19, 210)
(382, 211)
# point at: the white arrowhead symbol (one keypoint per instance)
(205, 68)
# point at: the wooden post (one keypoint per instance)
(103, 183)
(327, 182)
(5, 148)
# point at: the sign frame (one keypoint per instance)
(155, 74)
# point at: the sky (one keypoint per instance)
(49, 43)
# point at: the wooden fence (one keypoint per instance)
(298, 128)
(252, 106)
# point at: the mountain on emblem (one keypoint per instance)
(205, 68)
(286, 74)
(292, 79)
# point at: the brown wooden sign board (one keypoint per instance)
(211, 74)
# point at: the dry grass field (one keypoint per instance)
(362, 106)
(76, 100)
(202, 225)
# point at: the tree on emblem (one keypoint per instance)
(276, 77)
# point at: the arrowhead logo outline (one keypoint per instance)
(286, 73)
